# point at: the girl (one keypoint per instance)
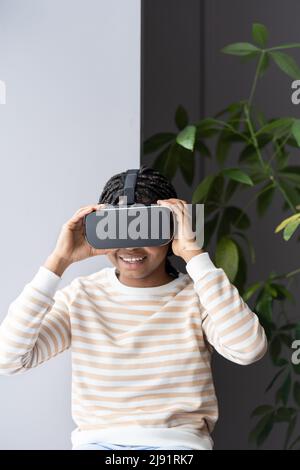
(141, 333)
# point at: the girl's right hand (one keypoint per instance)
(71, 245)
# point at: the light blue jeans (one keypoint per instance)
(109, 446)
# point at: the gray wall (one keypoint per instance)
(184, 65)
(72, 120)
(172, 73)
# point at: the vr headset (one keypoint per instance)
(129, 224)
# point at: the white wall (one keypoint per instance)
(71, 120)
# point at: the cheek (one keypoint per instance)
(157, 253)
(112, 257)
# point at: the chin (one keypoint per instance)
(133, 274)
(138, 273)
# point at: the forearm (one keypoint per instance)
(27, 338)
(56, 264)
(232, 328)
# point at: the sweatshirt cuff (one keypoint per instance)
(200, 265)
(46, 281)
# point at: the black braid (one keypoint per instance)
(150, 186)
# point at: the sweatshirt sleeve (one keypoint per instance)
(228, 323)
(37, 325)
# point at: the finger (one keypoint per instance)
(182, 201)
(173, 200)
(101, 251)
(172, 203)
(184, 219)
(184, 207)
(83, 208)
(176, 209)
(81, 213)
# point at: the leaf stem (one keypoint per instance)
(232, 129)
(285, 197)
(288, 275)
(279, 147)
(280, 48)
(261, 58)
(253, 199)
(253, 136)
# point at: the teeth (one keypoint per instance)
(132, 260)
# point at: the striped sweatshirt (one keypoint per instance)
(141, 356)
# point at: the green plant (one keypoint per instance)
(263, 170)
(289, 226)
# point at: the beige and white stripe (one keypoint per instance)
(138, 357)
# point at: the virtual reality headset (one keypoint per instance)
(129, 224)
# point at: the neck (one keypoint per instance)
(157, 278)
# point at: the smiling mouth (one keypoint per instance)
(132, 259)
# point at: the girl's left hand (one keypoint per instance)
(184, 243)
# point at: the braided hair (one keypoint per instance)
(150, 186)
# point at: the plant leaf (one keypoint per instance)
(262, 429)
(287, 221)
(281, 154)
(241, 277)
(264, 307)
(265, 199)
(296, 131)
(287, 64)
(262, 410)
(250, 291)
(160, 160)
(240, 49)
(202, 189)
(290, 431)
(171, 162)
(275, 349)
(282, 294)
(202, 148)
(260, 34)
(296, 392)
(209, 228)
(231, 187)
(290, 229)
(181, 118)
(273, 381)
(157, 141)
(223, 147)
(208, 127)
(227, 257)
(238, 217)
(287, 46)
(186, 138)
(290, 192)
(291, 173)
(277, 127)
(284, 415)
(286, 339)
(284, 391)
(187, 165)
(237, 175)
(297, 331)
(217, 189)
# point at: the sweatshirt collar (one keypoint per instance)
(157, 290)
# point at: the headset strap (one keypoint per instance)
(129, 185)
